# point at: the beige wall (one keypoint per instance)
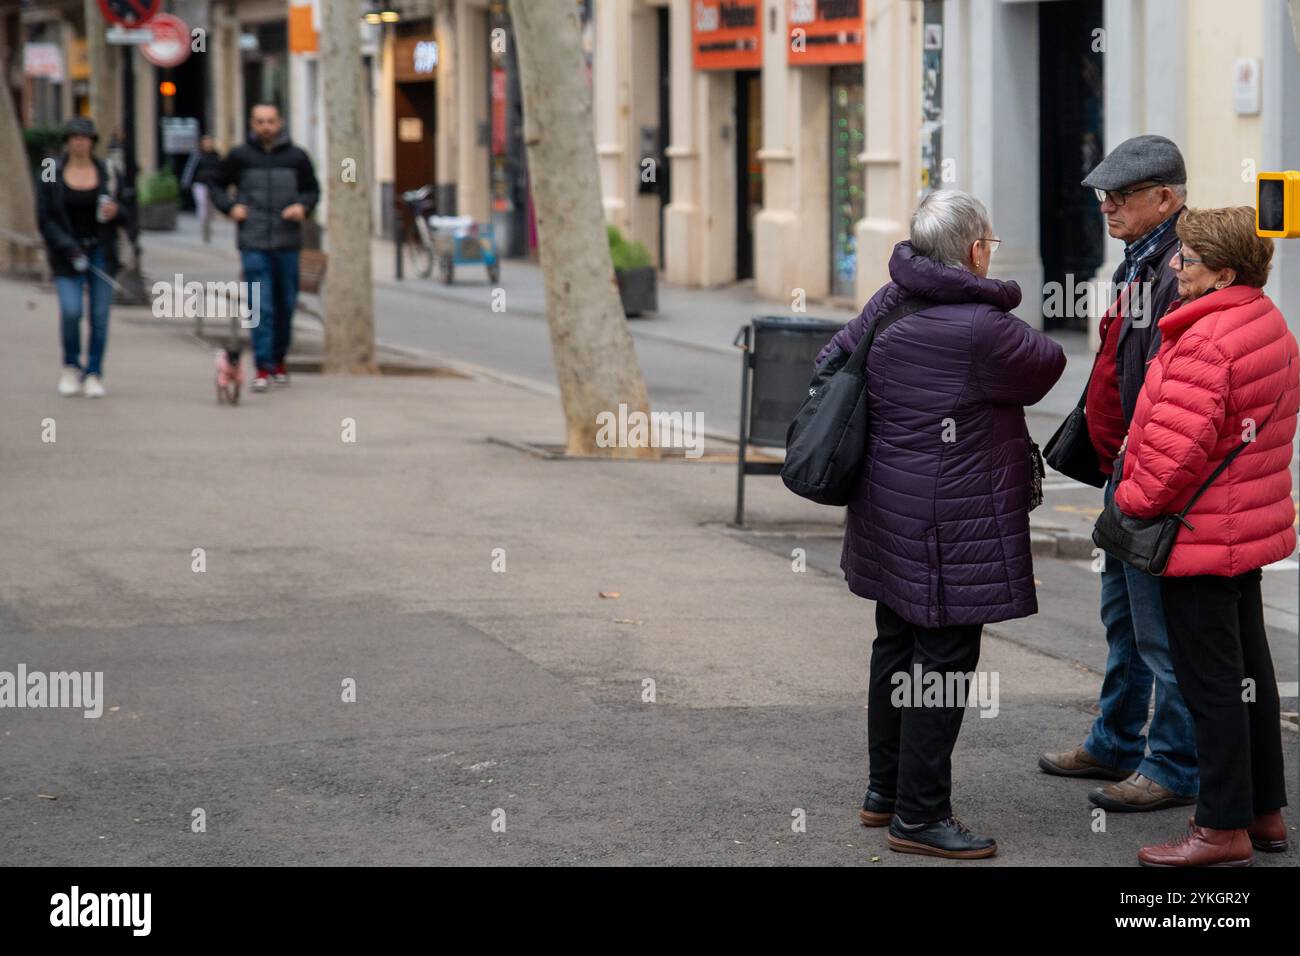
(472, 105)
(700, 221)
(892, 153)
(625, 98)
(146, 113)
(792, 230)
(1218, 140)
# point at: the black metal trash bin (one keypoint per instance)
(776, 366)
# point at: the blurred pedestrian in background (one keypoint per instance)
(275, 190)
(201, 166)
(78, 213)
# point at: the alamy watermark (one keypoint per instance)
(209, 300)
(637, 429)
(74, 689)
(75, 908)
(1089, 299)
(946, 689)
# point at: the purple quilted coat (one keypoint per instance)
(939, 526)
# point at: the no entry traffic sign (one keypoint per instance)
(170, 45)
(129, 13)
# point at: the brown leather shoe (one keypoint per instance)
(1079, 763)
(1268, 832)
(1136, 794)
(1201, 846)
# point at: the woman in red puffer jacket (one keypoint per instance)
(1227, 372)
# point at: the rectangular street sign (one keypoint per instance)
(124, 36)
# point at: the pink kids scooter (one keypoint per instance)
(230, 371)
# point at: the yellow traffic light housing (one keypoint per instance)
(1277, 205)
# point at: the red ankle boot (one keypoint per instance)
(1268, 832)
(1201, 846)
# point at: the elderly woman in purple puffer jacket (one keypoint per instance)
(938, 529)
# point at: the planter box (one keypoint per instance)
(159, 216)
(639, 290)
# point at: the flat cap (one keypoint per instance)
(1139, 159)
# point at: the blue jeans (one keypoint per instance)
(72, 294)
(1134, 617)
(276, 273)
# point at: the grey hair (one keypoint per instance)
(946, 224)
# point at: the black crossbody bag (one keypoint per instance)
(826, 444)
(1070, 450)
(1147, 543)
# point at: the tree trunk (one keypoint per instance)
(348, 296)
(105, 83)
(595, 363)
(18, 198)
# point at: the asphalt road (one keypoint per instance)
(477, 692)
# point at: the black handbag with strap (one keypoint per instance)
(826, 444)
(1070, 451)
(1147, 543)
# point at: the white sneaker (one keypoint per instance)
(70, 381)
(94, 387)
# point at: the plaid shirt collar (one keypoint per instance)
(1136, 252)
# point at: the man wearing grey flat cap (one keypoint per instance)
(1142, 188)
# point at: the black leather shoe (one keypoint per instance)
(948, 839)
(876, 810)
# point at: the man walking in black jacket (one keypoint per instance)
(275, 191)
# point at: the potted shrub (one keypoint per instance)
(636, 276)
(159, 197)
(43, 142)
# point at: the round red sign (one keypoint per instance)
(170, 45)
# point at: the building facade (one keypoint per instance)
(801, 170)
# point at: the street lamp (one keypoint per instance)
(379, 13)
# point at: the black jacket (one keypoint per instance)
(1139, 336)
(266, 181)
(200, 167)
(56, 228)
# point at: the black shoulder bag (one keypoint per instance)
(1147, 543)
(826, 444)
(1070, 450)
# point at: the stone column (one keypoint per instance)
(892, 155)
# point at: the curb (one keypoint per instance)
(1053, 543)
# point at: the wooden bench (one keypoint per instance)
(311, 270)
(311, 277)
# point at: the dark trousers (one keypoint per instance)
(1217, 640)
(275, 271)
(910, 748)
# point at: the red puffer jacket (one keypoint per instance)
(1226, 360)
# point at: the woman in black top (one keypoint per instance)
(78, 213)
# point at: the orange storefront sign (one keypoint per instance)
(727, 34)
(825, 32)
(303, 37)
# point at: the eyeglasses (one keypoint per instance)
(992, 240)
(1179, 260)
(1120, 196)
